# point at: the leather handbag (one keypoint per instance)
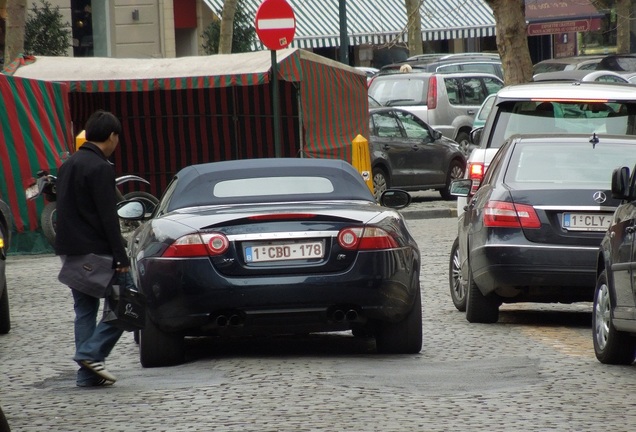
(91, 274)
(125, 306)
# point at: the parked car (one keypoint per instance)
(450, 63)
(618, 63)
(5, 235)
(585, 62)
(586, 107)
(581, 75)
(447, 102)
(613, 314)
(532, 230)
(270, 246)
(408, 154)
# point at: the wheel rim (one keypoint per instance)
(457, 172)
(459, 289)
(379, 184)
(602, 316)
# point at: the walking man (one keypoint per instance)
(87, 223)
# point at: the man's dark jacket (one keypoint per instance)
(87, 219)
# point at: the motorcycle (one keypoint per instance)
(45, 185)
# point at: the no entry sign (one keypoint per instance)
(275, 24)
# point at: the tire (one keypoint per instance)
(48, 219)
(5, 318)
(463, 139)
(158, 348)
(455, 279)
(610, 345)
(480, 308)
(128, 227)
(7, 226)
(403, 337)
(455, 171)
(380, 182)
(4, 424)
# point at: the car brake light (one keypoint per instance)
(476, 174)
(431, 98)
(509, 215)
(277, 216)
(365, 238)
(195, 245)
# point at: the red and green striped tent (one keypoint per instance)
(186, 110)
(34, 133)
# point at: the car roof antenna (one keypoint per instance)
(594, 140)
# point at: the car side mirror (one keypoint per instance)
(436, 135)
(461, 187)
(475, 135)
(395, 199)
(620, 183)
(131, 210)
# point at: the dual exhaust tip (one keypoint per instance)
(340, 315)
(229, 320)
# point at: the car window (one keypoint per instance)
(492, 85)
(485, 108)
(480, 67)
(472, 91)
(588, 66)
(528, 117)
(165, 198)
(448, 68)
(452, 90)
(396, 91)
(553, 164)
(386, 125)
(610, 78)
(413, 126)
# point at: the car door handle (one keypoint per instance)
(415, 147)
(471, 112)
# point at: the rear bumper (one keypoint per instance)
(535, 273)
(190, 295)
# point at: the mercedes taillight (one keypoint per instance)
(501, 214)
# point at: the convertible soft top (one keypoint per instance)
(195, 184)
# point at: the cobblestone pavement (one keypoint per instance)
(533, 371)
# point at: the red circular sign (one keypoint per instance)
(275, 24)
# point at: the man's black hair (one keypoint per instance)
(100, 125)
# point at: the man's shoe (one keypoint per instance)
(99, 369)
(99, 382)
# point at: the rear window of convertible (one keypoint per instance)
(253, 187)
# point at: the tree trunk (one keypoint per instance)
(14, 38)
(512, 40)
(414, 26)
(227, 26)
(623, 32)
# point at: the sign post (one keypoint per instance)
(275, 25)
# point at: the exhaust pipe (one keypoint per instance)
(221, 320)
(235, 320)
(351, 315)
(338, 315)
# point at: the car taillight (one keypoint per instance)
(278, 216)
(476, 174)
(431, 97)
(365, 238)
(509, 215)
(195, 245)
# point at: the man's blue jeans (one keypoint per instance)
(93, 341)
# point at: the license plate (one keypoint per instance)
(586, 221)
(282, 251)
(32, 191)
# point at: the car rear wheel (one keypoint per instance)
(455, 279)
(48, 219)
(5, 319)
(455, 171)
(610, 345)
(480, 308)
(404, 337)
(380, 182)
(158, 348)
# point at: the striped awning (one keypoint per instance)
(380, 21)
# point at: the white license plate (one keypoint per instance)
(284, 251)
(32, 191)
(586, 221)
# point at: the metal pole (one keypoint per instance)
(344, 40)
(276, 105)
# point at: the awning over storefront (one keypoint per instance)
(380, 21)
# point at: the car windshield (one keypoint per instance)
(579, 165)
(565, 117)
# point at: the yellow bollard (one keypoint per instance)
(80, 139)
(361, 159)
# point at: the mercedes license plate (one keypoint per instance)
(282, 251)
(586, 221)
(32, 191)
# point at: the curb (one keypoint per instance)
(431, 213)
